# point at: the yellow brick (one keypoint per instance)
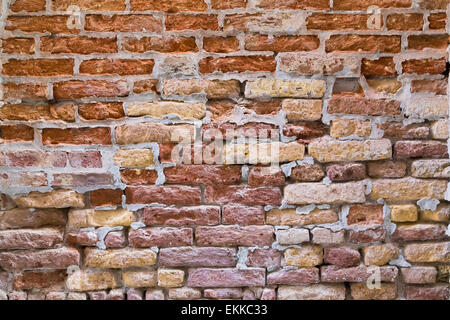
(161, 109)
(285, 88)
(129, 158)
(97, 218)
(306, 256)
(379, 255)
(346, 127)
(119, 258)
(84, 280)
(360, 291)
(404, 213)
(441, 214)
(408, 189)
(302, 110)
(140, 279)
(428, 252)
(170, 278)
(291, 218)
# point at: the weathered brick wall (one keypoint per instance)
(98, 95)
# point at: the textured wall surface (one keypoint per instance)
(217, 149)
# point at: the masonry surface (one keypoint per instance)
(98, 95)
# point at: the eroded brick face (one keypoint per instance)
(224, 149)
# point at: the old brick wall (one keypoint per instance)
(105, 194)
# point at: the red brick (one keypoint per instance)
(122, 23)
(288, 4)
(365, 215)
(243, 195)
(78, 44)
(424, 66)
(363, 43)
(82, 179)
(85, 159)
(247, 236)
(176, 195)
(420, 149)
(242, 215)
(293, 277)
(432, 4)
(91, 5)
(434, 86)
(31, 238)
(197, 257)
(264, 258)
(346, 172)
(203, 174)
(38, 67)
(364, 4)
(76, 89)
(138, 176)
(359, 105)
(168, 5)
(437, 20)
(238, 64)
(175, 22)
(160, 44)
(307, 172)
(144, 86)
(31, 218)
(40, 24)
(106, 197)
(38, 112)
(281, 43)
(160, 237)
(386, 169)
(123, 67)
(356, 274)
(326, 21)
(265, 176)
(16, 133)
(428, 42)
(439, 292)
(399, 130)
(342, 257)
(35, 158)
(82, 238)
(228, 4)
(220, 44)
(25, 91)
(101, 110)
(229, 131)
(408, 21)
(384, 66)
(27, 5)
(366, 236)
(88, 136)
(18, 45)
(185, 216)
(205, 277)
(39, 280)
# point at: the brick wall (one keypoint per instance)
(260, 149)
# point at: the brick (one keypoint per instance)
(419, 275)
(441, 214)
(293, 277)
(254, 63)
(168, 5)
(281, 43)
(160, 44)
(16, 133)
(82, 238)
(408, 21)
(31, 218)
(309, 64)
(191, 22)
(265, 176)
(38, 67)
(28, 6)
(122, 23)
(89, 280)
(105, 197)
(34, 179)
(360, 291)
(358, 105)
(284, 88)
(24, 91)
(427, 107)
(365, 215)
(290, 217)
(438, 292)
(364, 4)
(214, 89)
(91, 5)
(347, 127)
(184, 293)
(404, 213)
(346, 172)
(436, 86)
(145, 86)
(153, 132)
(264, 258)
(129, 158)
(88, 159)
(76, 89)
(437, 20)
(367, 236)
(33, 259)
(82, 180)
(223, 293)
(327, 236)
(427, 42)
(243, 195)
(228, 4)
(141, 278)
(78, 44)
(53, 199)
(384, 66)
(242, 215)
(379, 255)
(427, 252)
(304, 130)
(34, 158)
(185, 216)
(197, 257)
(170, 278)
(138, 176)
(18, 45)
(419, 232)
(52, 112)
(306, 256)
(160, 237)
(286, 4)
(31, 238)
(40, 24)
(96, 218)
(386, 169)
(306, 110)
(205, 277)
(407, 189)
(119, 258)
(391, 86)
(424, 66)
(357, 274)
(248, 236)
(363, 43)
(342, 257)
(163, 109)
(163, 194)
(312, 292)
(39, 280)
(121, 67)
(220, 44)
(420, 149)
(325, 21)
(399, 130)
(307, 172)
(77, 136)
(439, 130)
